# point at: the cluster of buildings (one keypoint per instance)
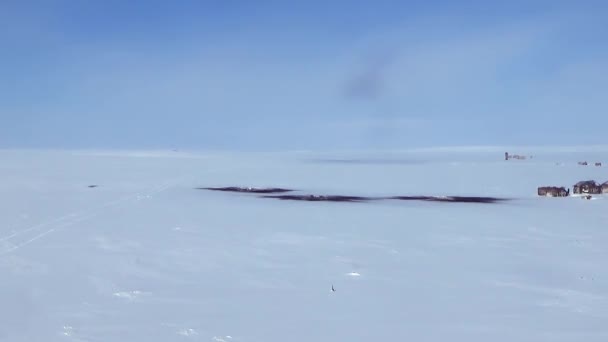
(584, 163)
(585, 188)
(588, 187)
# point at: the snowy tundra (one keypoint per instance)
(121, 246)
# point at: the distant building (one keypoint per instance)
(514, 156)
(587, 187)
(598, 164)
(553, 191)
(605, 188)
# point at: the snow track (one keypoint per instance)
(26, 236)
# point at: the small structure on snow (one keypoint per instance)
(598, 164)
(553, 191)
(605, 187)
(587, 187)
(515, 156)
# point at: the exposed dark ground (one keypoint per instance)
(339, 198)
(248, 190)
(321, 198)
(343, 198)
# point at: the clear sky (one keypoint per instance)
(222, 74)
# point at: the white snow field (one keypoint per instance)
(146, 257)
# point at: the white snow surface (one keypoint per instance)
(146, 257)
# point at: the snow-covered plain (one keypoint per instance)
(146, 257)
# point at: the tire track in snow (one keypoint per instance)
(71, 219)
(39, 225)
(67, 217)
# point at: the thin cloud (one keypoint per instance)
(370, 82)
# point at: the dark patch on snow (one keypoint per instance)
(457, 199)
(317, 198)
(277, 193)
(93, 186)
(249, 190)
(339, 198)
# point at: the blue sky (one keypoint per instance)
(273, 75)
